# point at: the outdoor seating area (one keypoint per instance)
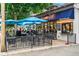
(31, 36)
(45, 29)
(27, 39)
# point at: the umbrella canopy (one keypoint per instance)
(32, 19)
(28, 23)
(25, 23)
(10, 21)
(37, 22)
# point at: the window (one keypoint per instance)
(67, 27)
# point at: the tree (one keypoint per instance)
(3, 41)
(22, 10)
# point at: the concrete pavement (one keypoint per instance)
(72, 50)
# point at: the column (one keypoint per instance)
(76, 22)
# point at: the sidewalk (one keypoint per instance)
(29, 50)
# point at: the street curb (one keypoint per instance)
(24, 50)
(33, 49)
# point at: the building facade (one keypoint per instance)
(66, 19)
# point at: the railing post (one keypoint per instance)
(43, 40)
(38, 41)
(51, 42)
(75, 39)
(67, 42)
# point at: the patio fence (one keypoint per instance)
(30, 41)
(35, 40)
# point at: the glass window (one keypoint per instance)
(67, 27)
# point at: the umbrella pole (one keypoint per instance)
(15, 26)
(35, 27)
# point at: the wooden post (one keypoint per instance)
(3, 30)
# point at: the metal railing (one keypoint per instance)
(29, 41)
(36, 40)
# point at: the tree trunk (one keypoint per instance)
(15, 17)
(3, 29)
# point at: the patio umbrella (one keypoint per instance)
(28, 23)
(32, 19)
(37, 22)
(25, 23)
(10, 21)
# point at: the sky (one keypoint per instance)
(59, 4)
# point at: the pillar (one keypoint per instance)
(76, 22)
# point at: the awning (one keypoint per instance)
(65, 21)
(69, 13)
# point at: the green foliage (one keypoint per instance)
(22, 10)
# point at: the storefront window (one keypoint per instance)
(51, 26)
(58, 26)
(67, 27)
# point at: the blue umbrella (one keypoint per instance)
(28, 23)
(37, 22)
(10, 21)
(32, 19)
(25, 23)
